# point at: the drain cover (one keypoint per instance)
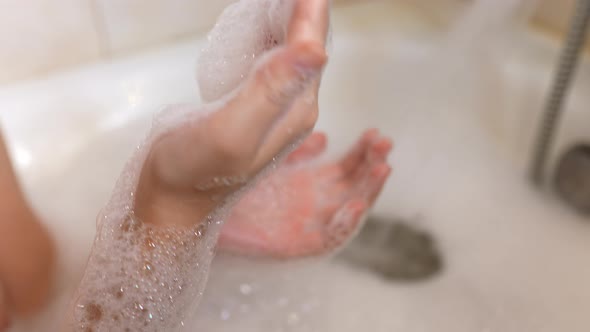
(394, 250)
(572, 178)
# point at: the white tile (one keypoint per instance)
(131, 24)
(40, 35)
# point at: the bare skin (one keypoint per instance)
(270, 111)
(27, 254)
(240, 137)
(244, 136)
(258, 122)
(305, 208)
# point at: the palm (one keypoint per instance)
(305, 208)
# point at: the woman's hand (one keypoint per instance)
(305, 208)
(207, 158)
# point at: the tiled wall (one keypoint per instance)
(38, 36)
(554, 17)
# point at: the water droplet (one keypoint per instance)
(200, 230)
(147, 267)
(150, 243)
(140, 307)
(120, 292)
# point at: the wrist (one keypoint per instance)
(161, 205)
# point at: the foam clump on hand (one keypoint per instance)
(245, 31)
(146, 278)
(141, 278)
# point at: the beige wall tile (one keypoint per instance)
(40, 35)
(554, 13)
(554, 17)
(131, 24)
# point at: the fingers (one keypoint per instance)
(380, 149)
(357, 154)
(373, 171)
(366, 166)
(312, 147)
(289, 131)
(310, 21)
(376, 153)
(375, 181)
(344, 223)
(309, 25)
(247, 118)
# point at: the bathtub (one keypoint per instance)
(515, 258)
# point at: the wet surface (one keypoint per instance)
(394, 249)
(572, 178)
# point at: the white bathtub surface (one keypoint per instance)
(515, 259)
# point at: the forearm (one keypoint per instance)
(143, 277)
(146, 269)
(27, 259)
(27, 253)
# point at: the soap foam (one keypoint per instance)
(145, 278)
(246, 30)
(140, 277)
